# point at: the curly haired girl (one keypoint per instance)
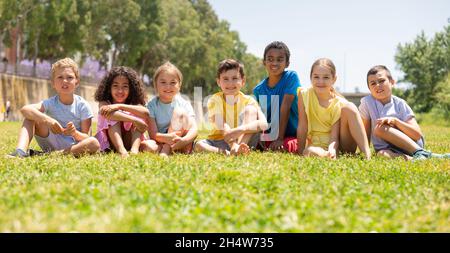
(121, 98)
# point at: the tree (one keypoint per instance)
(425, 64)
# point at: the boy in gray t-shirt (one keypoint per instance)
(60, 123)
(389, 121)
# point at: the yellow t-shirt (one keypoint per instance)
(320, 119)
(230, 113)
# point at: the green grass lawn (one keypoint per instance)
(262, 192)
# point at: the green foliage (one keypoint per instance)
(261, 192)
(443, 97)
(425, 64)
(142, 34)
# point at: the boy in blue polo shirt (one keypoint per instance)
(277, 96)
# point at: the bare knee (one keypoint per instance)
(198, 147)
(349, 109)
(92, 145)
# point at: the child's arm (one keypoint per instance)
(109, 112)
(77, 135)
(302, 128)
(334, 140)
(159, 137)
(284, 117)
(253, 127)
(367, 126)
(138, 110)
(410, 127)
(35, 112)
(189, 137)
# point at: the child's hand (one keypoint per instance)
(70, 129)
(332, 153)
(277, 145)
(391, 121)
(179, 143)
(107, 110)
(232, 135)
(140, 126)
(54, 126)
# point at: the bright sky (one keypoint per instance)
(356, 35)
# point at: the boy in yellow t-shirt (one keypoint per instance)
(235, 117)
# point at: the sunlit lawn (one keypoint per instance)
(262, 192)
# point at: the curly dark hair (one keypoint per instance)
(137, 94)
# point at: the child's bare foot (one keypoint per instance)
(239, 149)
(124, 155)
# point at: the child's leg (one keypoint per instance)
(179, 122)
(115, 136)
(352, 132)
(165, 150)
(204, 146)
(250, 115)
(149, 146)
(135, 141)
(28, 130)
(396, 138)
(89, 145)
(389, 154)
(315, 151)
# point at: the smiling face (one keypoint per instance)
(120, 89)
(65, 81)
(380, 86)
(275, 61)
(167, 85)
(322, 79)
(231, 82)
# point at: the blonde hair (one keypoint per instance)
(66, 63)
(327, 63)
(167, 67)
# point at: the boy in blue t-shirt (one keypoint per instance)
(277, 96)
(62, 122)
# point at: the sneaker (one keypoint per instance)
(18, 153)
(33, 152)
(440, 156)
(421, 154)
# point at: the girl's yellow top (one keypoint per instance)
(320, 119)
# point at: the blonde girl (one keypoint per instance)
(328, 123)
(171, 121)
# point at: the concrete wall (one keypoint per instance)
(21, 91)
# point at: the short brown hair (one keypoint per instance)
(65, 63)
(230, 64)
(374, 70)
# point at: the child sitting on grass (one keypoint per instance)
(328, 123)
(235, 117)
(389, 121)
(171, 120)
(62, 122)
(121, 117)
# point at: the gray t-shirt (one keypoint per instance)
(372, 109)
(76, 112)
(162, 113)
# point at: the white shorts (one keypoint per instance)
(54, 142)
